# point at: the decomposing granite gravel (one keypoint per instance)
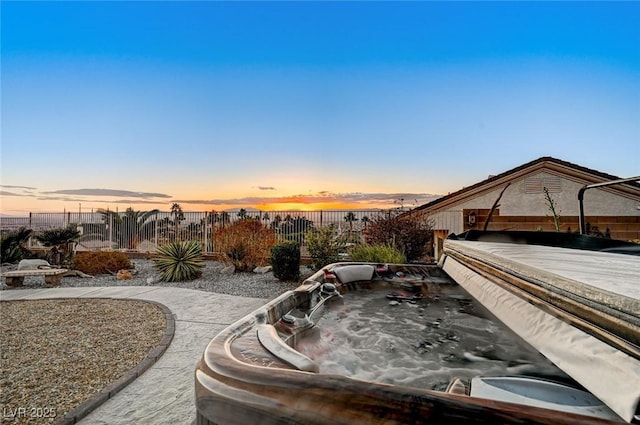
(214, 278)
(55, 354)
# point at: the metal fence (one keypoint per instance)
(139, 231)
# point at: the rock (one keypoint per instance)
(262, 270)
(123, 275)
(32, 264)
(393, 302)
(228, 269)
(153, 279)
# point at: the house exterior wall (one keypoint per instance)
(523, 206)
(516, 200)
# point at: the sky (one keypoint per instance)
(305, 105)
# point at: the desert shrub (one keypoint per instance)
(376, 253)
(245, 243)
(11, 249)
(285, 260)
(408, 234)
(100, 262)
(179, 261)
(323, 247)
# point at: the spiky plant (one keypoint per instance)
(179, 261)
(11, 245)
(59, 241)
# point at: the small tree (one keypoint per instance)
(323, 247)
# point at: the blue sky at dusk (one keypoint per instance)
(302, 105)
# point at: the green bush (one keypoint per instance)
(376, 253)
(323, 247)
(179, 261)
(285, 260)
(100, 262)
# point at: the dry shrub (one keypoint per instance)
(408, 234)
(245, 243)
(101, 262)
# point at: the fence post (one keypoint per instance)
(204, 232)
(110, 223)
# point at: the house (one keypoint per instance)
(611, 211)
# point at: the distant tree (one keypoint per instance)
(276, 221)
(295, 228)
(266, 218)
(177, 213)
(242, 214)
(225, 217)
(129, 226)
(178, 217)
(350, 218)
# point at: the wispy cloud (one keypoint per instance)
(266, 188)
(5, 193)
(107, 192)
(17, 187)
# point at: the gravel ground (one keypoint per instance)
(55, 354)
(255, 285)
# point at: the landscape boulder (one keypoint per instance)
(33, 264)
(123, 275)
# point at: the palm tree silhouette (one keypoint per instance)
(129, 226)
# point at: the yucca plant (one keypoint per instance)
(179, 261)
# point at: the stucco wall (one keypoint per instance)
(515, 201)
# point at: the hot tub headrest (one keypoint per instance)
(354, 272)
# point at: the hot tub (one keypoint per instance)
(318, 355)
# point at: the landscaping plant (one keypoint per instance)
(246, 243)
(285, 261)
(59, 240)
(376, 253)
(408, 234)
(101, 262)
(179, 261)
(11, 245)
(323, 246)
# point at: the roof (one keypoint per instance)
(597, 176)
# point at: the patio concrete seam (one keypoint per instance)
(113, 388)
